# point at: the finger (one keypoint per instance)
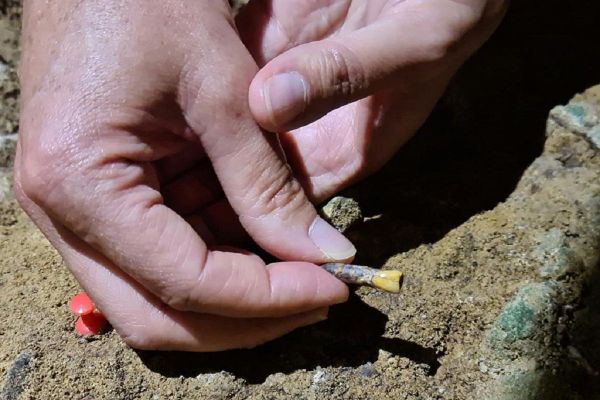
(255, 177)
(418, 41)
(141, 319)
(145, 323)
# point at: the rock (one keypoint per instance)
(526, 321)
(342, 212)
(556, 257)
(319, 376)
(367, 371)
(16, 376)
(526, 382)
(526, 342)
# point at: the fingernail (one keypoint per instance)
(332, 243)
(285, 96)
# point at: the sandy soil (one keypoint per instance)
(10, 24)
(433, 212)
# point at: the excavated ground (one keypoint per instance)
(495, 225)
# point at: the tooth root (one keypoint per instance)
(389, 281)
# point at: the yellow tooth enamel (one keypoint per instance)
(388, 281)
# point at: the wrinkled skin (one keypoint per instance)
(142, 161)
(384, 62)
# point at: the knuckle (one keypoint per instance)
(181, 297)
(40, 169)
(276, 192)
(228, 86)
(204, 98)
(51, 162)
(186, 290)
(339, 71)
(442, 41)
(176, 299)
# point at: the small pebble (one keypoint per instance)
(367, 370)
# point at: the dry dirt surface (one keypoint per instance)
(492, 212)
(10, 25)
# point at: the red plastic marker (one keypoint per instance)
(90, 321)
(81, 304)
(90, 324)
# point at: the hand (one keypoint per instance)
(134, 115)
(348, 82)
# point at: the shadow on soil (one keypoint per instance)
(468, 157)
(581, 375)
(351, 337)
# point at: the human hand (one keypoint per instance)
(348, 82)
(127, 107)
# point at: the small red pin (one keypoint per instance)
(81, 304)
(90, 324)
(89, 320)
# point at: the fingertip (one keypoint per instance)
(258, 105)
(305, 286)
(285, 96)
(339, 290)
(331, 290)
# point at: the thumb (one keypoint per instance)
(419, 41)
